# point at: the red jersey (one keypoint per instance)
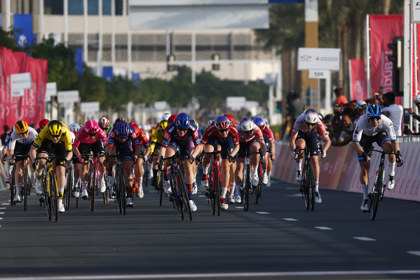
(212, 131)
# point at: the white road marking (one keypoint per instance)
(5, 203)
(223, 275)
(1, 213)
(2, 208)
(324, 228)
(293, 195)
(239, 207)
(290, 219)
(417, 253)
(263, 213)
(364, 238)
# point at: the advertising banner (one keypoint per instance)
(358, 80)
(383, 28)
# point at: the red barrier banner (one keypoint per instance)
(383, 28)
(358, 80)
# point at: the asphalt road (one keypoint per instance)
(277, 239)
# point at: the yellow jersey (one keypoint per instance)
(65, 137)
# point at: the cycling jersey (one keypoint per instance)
(15, 137)
(268, 135)
(83, 137)
(112, 138)
(363, 127)
(141, 136)
(212, 131)
(171, 135)
(157, 138)
(65, 137)
(300, 125)
(255, 133)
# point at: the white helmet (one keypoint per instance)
(74, 127)
(165, 116)
(417, 99)
(361, 105)
(246, 124)
(311, 116)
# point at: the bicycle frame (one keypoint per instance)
(49, 194)
(215, 183)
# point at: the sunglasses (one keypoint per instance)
(223, 130)
(23, 134)
(371, 119)
(183, 130)
(310, 124)
(92, 134)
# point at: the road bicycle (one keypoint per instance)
(179, 195)
(215, 184)
(378, 190)
(247, 188)
(26, 180)
(69, 185)
(49, 196)
(93, 178)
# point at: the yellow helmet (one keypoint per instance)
(55, 128)
(163, 124)
(21, 127)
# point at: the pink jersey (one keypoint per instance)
(246, 136)
(212, 131)
(300, 125)
(83, 137)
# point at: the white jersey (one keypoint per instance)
(395, 114)
(363, 127)
(25, 141)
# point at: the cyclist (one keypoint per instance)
(74, 128)
(411, 110)
(90, 139)
(53, 139)
(42, 124)
(225, 135)
(251, 141)
(20, 143)
(270, 146)
(121, 142)
(156, 143)
(305, 133)
(232, 165)
(6, 158)
(105, 124)
(370, 128)
(142, 157)
(183, 137)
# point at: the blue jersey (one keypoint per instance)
(171, 135)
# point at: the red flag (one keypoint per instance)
(383, 28)
(358, 79)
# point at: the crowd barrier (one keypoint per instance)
(340, 170)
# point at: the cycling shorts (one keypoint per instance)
(226, 145)
(367, 141)
(22, 151)
(244, 147)
(57, 150)
(311, 140)
(97, 148)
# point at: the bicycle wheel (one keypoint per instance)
(12, 186)
(53, 196)
(25, 188)
(257, 193)
(311, 184)
(160, 187)
(92, 187)
(69, 187)
(248, 187)
(212, 191)
(305, 187)
(176, 196)
(123, 192)
(217, 189)
(184, 194)
(376, 193)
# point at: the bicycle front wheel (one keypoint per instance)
(184, 194)
(53, 196)
(176, 196)
(217, 189)
(376, 194)
(248, 187)
(25, 188)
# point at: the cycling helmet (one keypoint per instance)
(311, 116)
(417, 99)
(222, 123)
(361, 105)
(123, 129)
(209, 123)
(259, 122)
(55, 128)
(119, 120)
(172, 118)
(246, 124)
(21, 127)
(74, 127)
(163, 125)
(104, 123)
(91, 127)
(166, 116)
(43, 123)
(182, 121)
(373, 110)
(231, 119)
